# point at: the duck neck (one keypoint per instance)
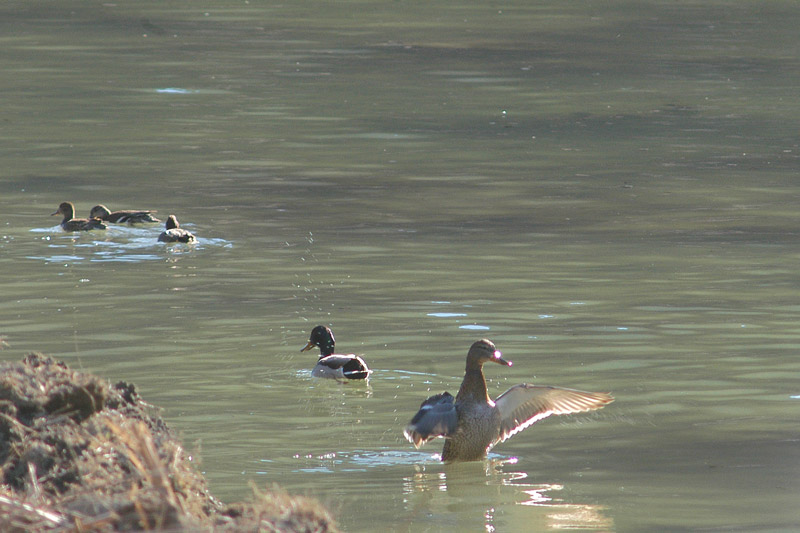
(473, 388)
(326, 349)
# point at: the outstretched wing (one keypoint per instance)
(522, 405)
(436, 417)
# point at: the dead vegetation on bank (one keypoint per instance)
(79, 454)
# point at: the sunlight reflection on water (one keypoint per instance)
(121, 244)
(361, 461)
(437, 490)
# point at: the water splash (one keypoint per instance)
(126, 244)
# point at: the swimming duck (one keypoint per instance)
(129, 216)
(70, 223)
(472, 423)
(331, 365)
(174, 232)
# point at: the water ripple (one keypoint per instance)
(118, 244)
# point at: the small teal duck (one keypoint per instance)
(472, 423)
(129, 216)
(174, 232)
(70, 223)
(331, 365)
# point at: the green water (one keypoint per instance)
(608, 192)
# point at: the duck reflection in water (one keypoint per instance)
(513, 503)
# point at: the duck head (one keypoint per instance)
(66, 209)
(483, 351)
(321, 336)
(99, 211)
(172, 222)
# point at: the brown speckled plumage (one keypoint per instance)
(174, 232)
(472, 423)
(70, 223)
(126, 216)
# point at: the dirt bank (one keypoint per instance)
(80, 454)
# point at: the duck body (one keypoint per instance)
(174, 233)
(474, 433)
(70, 223)
(341, 366)
(128, 216)
(331, 365)
(472, 424)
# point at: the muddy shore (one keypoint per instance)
(80, 454)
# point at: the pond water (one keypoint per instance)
(608, 192)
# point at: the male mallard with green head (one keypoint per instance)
(174, 232)
(471, 423)
(331, 365)
(70, 223)
(126, 216)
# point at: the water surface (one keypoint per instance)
(607, 192)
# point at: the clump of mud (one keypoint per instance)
(80, 454)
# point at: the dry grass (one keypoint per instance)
(78, 454)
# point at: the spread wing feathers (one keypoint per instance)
(351, 366)
(436, 417)
(524, 404)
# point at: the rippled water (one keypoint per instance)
(119, 243)
(607, 192)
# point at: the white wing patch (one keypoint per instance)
(342, 366)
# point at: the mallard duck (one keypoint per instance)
(174, 232)
(331, 365)
(128, 216)
(70, 223)
(472, 423)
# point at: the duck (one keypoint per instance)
(70, 223)
(472, 424)
(331, 365)
(129, 216)
(174, 232)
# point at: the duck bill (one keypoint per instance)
(497, 358)
(57, 212)
(307, 347)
